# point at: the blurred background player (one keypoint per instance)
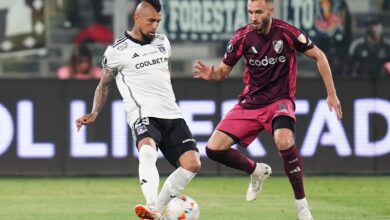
(267, 103)
(80, 65)
(139, 63)
(369, 53)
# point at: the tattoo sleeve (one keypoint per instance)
(103, 89)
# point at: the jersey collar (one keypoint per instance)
(142, 43)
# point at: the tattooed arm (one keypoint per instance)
(101, 93)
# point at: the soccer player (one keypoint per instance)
(138, 62)
(267, 101)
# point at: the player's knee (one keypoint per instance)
(190, 161)
(196, 165)
(216, 155)
(283, 128)
(193, 164)
(284, 143)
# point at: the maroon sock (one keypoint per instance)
(232, 158)
(293, 168)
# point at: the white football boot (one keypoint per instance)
(303, 210)
(261, 173)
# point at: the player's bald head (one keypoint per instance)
(146, 6)
(147, 16)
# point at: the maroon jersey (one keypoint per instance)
(271, 66)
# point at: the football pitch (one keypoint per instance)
(220, 198)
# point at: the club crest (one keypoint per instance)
(161, 48)
(278, 46)
(141, 129)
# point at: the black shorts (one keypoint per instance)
(172, 136)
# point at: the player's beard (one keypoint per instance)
(147, 37)
(264, 25)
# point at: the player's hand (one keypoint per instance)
(201, 71)
(334, 103)
(85, 120)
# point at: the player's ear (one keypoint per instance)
(136, 17)
(271, 8)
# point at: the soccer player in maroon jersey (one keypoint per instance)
(269, 47)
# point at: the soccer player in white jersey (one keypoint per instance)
(138, 62)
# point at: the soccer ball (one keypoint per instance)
(182, 208)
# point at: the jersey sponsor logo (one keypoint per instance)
(122, 46)
(149, 63)
(153, 52)
(267, 61)
(188, 140)
(278, 46)
(229, 47)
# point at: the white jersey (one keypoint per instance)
(143, 78)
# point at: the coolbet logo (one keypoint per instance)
(267, 61)
(149, 63)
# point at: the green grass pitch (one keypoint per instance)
(220, 198)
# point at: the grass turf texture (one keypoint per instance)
(220, 198)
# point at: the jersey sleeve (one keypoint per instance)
(301, 41)
(234, 49)
(296, 38)
(111, 59)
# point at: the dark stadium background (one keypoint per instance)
(49, 113)
(35, 107)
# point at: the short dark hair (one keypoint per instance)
(155, 3)
(80, 51)
(373, 21)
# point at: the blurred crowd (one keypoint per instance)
(351, 51)
(367, 55)
(370, 54)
